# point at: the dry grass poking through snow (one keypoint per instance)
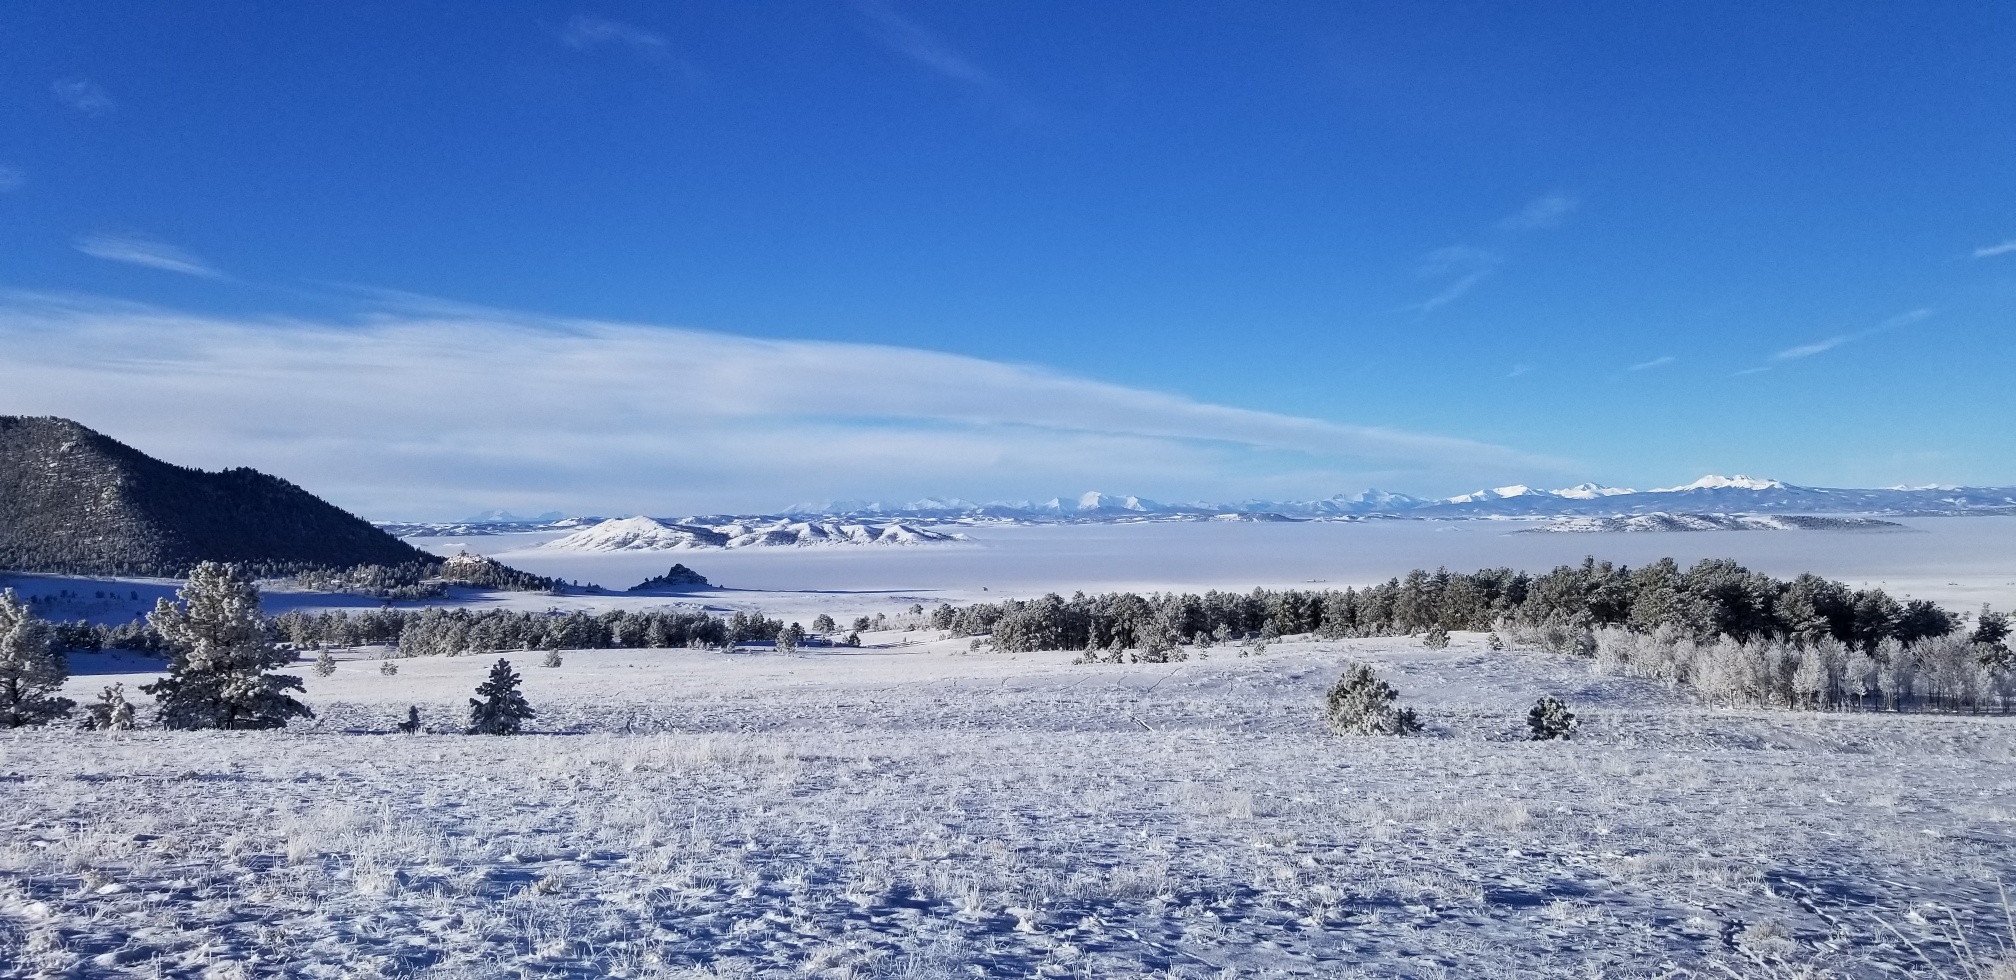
(938, 815)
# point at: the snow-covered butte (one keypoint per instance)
(651, 534)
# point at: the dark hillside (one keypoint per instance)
(77, 502)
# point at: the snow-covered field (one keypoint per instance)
(917, 808)
(925, 811)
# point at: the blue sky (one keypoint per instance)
(1182, 250)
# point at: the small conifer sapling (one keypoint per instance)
(1362, 704)
(1550, 719)
(498, 708)
(325, 663)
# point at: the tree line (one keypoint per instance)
(1713, 598)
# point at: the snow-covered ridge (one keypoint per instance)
(651, 534)
(1662, 522)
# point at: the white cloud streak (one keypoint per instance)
(433, 413)
(1653, 363)
(83, 95)
(1990, 251)
(585, 32)
(1823, 346)
(914, 41)
(1545, 211)
(142, 250)
(1460, 268)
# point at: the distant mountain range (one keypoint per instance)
(1710, 495)
(74, 501)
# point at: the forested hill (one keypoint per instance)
(75, 501)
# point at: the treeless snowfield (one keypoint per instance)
(924, 811)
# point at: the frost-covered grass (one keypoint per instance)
(925, 812)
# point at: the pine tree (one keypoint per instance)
(1436, 638)
(500, 708)
(325, 663)
(1550, 719)
(111, 712)
(31, 668)
(388, 667)
(219, 671)
(552, 659)
(1362, 704)
(824, 624)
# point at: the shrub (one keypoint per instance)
(1550, 719)
(1436, 638)
(1362, 704)
(552, 659)
(388, 667)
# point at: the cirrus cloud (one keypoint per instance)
(434, 411)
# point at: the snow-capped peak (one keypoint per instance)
(1591, 491)
(1497, 493)
(1715, 482)
(1094, 500)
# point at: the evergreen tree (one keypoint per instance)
(1362, 704)
(1436, 638)
(388, 667)
(111, 712)
(325, 663)
(31, 668)
(1550, 719)
(824, 624)
(552, 659)
(219, 669)
(498, 708)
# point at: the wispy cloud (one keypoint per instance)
(1519, 369)
(918, 43)
(1458, 269)
(1653, 363)
(1808, 350)
(429, 412)
(83, 95)
(142, 250)
(11, 179)
(584, 32)
(1823, 346)
(1989, 251)
(1545, 211)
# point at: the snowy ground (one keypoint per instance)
(924, 811)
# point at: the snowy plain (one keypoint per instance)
(919, 808)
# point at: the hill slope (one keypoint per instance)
(78, 502)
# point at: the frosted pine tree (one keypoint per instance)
(221, 660)
(111, 712)
(498, 708)
(1362, 704)
(1550, 719)
(31, 668)
(325, 664)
